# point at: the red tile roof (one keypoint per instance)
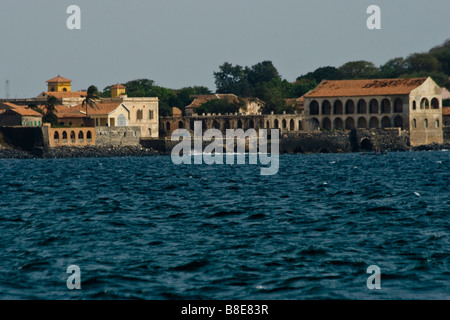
(369, 87)
(445, 94)
(63, 94)
(118, 86)
(59, 79)
(201, 99)
(102, 108)
(22, 110)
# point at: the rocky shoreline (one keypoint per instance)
(78, 152)
(128, 151)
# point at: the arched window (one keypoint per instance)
(267, 124)
(385, 106)
(338, 108)
(251, 124)
(180, 125)
(414, 123)
(89, 136)
(398, 122)
(414, 105)
(139, 114)
(276, 124)
(424, 104)
(373, 123)
(349, 123)
(437, 123)
(362, 123)
(150, 114)
(425, 123)
(284, 124)
(56, 136)
(292, 125)
(314, 108)
(362, 106)
(373, 106)
(239, 124)
(434, 103)
(349, 107)
(300, 125)
(385, 122)
(326, 107)
(64, 136)
(81, 136)
(398, 106)
(326, 124)
(338, 124)
(72, 136)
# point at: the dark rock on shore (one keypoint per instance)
(432, 147)
(11, 153)
(97, 152)
(79, 152)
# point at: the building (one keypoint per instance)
(61, 88)
(412, 105)
(116, 112)
(251, 106)
(284, 122)
(14, 115)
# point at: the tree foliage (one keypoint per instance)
(220, 106)
(360, 69)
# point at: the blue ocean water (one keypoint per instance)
(144, 228)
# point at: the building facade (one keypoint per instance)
(14, 115)
(413, 105)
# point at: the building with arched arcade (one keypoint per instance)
(413, 105)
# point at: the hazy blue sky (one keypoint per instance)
(180, 43)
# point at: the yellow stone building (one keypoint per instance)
(59, 84)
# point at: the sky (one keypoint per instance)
(179, 43)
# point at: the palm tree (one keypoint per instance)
(91, 95)
(50, 110)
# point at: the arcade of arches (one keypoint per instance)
(360, 113)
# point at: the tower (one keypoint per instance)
(59, 84)
(117, 90)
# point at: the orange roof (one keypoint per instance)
(59, 79)
(368, 87)
(446, 111)
(22, 110)
(118, 86)
(297, 102)
(201, 99)
(102, 108)
(64, 94)
(445, 94)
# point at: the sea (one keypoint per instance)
(326, 226)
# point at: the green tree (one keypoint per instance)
(323, 73)
(442, 54)
(231, 79)
(219, 106)
(393, 68)
(92, 95)
(303, 85)
(49, 112)
(422, 62)
(359, 70)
